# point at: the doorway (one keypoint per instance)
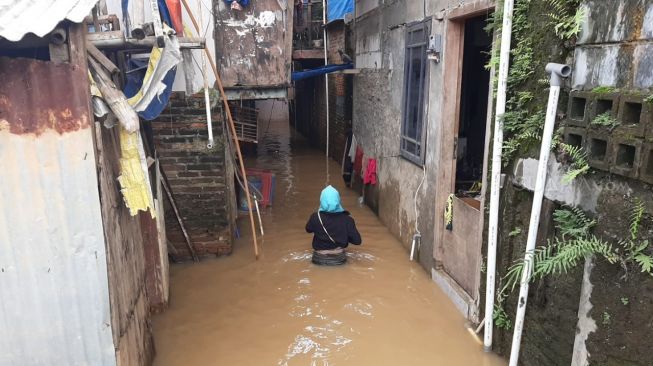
(470, 140)
(463, 155)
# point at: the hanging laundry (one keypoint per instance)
(347, 163)
(352, 147)
(358, 161)
(174, 10)
(370, 172)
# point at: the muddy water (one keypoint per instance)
(378, 309)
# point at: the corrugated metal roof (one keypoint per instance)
(19, 17)
(54, 295)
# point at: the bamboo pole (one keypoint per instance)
(173, 203)
(231, 127)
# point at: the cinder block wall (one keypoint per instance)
(201, 179)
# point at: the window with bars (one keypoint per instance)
(413, 134)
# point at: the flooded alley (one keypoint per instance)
(378, 309)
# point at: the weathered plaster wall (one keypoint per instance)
(380, 39)
(377, 115)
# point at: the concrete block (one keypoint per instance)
(598, 146)
(633, 115)
(626, 157)
(601, 103)
(646, 170)
(575, 136)
(577, 111)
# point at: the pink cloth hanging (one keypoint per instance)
(370, 172)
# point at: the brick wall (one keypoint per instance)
(200, 178)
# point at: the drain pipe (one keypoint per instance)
(558, 72)
(326, 76)
(495, 182)
(207, 99)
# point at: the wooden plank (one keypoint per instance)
(101, 58)
(308, 54)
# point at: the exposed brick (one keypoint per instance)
(196, 176)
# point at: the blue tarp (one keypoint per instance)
(337, 9)
(301, 75)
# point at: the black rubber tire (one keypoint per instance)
(329, 259)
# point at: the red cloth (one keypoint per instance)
(358, 161)
(370, 172)
(174, 7)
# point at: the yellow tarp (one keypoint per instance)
(133, 179)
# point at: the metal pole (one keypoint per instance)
(326, 76)
(504, 61)
(557, 73)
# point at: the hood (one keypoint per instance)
(330, 200)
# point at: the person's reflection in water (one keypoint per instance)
(333, 230)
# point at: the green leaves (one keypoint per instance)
(645, 262)
(573, 222)
(578, 158)
(636, 218)
(605, 120)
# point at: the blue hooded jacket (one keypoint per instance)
(333, 227)
(330, 200)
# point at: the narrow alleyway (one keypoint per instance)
(379, 309)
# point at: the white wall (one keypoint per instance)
(114, 7)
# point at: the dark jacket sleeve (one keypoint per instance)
(310, 225)
(353, 235)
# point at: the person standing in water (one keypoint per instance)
(333, 230)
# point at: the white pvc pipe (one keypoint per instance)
(258, 213)
(326, 76)
(207, 99)
(504, 61)
(557, 71)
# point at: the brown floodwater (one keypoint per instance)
(378, 309)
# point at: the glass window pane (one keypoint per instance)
(414, 94)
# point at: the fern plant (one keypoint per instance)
(605, 120)
(576, 242)
(566, 22)
(578, 158)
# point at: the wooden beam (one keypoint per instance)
(117, 40)
(308, 54)
(114, 97)
(101, 58)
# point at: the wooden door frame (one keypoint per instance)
(451, 86)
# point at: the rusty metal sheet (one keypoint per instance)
(54, 302)
(38, 96)
(254, 47)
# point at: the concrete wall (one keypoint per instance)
(201, 179)
(594, 314)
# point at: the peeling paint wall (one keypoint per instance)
(254, 46)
